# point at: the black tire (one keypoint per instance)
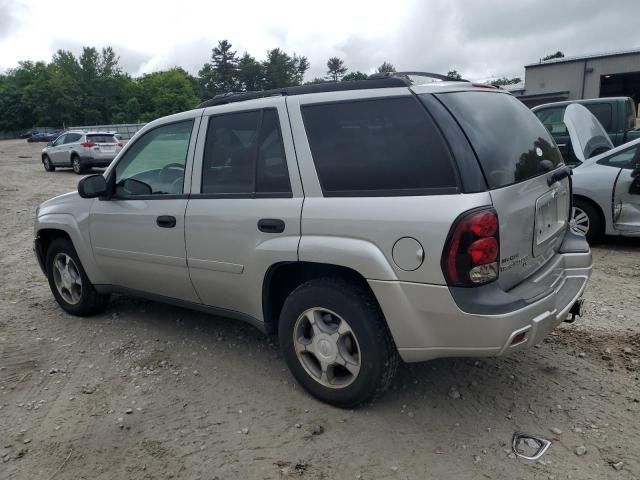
(77, 165)
(90, 301)
(46, 163)
(378, 355)
(595, 230)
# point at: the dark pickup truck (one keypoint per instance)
(616, 114)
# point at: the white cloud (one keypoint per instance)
(479, 39)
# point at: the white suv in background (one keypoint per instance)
(81, 151)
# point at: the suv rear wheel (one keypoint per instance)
(48, 166)
(68, 281)
(336, 342)
(77, 165)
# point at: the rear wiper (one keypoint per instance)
(559, 175)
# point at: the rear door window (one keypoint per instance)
(244, 154)
(510, 142)
(376, 147)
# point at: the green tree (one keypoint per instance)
(355, 76)
(166, 92)
(220, 75)
(250, 75)
(454, 75)
(225, 64)
(316, 80)
(506, 81)
(386, 67)
(335, 68)
(558, 54)
(281, 70)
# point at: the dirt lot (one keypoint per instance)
(147, 391)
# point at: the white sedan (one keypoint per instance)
(606, 185)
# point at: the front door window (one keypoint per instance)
(155, 164)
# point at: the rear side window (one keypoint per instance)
(508, 139)
(72, 137)
(375, 147)
(95, 138)
(602, 111)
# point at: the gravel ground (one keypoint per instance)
(148, 391)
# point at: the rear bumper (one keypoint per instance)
(96, 162)
(432, 321)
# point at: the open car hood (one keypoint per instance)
(588, 137)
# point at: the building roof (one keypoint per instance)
(514, 86)
(581, 58)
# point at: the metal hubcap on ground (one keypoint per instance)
(327, 348)
(580, 221)
(67, 278)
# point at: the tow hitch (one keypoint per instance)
(576, 311)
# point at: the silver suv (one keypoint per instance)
(81, 151)
(362, 222)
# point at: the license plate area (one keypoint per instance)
(552, 211)
(107, 149)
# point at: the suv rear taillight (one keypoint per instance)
(88, 144)
(472, 252)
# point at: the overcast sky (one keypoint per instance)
(481, 39)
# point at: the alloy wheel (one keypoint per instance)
(327, 348)
(580, 221)
(76, 164)
(67, 279)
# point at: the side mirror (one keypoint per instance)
(92, 186)
(635, 173)
(135, 187)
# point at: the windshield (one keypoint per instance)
(588, 137)
(510, 142)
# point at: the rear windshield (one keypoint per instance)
(100, 138)
(510, 142)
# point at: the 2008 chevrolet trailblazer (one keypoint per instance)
(363, 222)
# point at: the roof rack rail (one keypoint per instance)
(436, 76)
(382, 82)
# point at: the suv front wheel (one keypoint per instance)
(336, 342)
(46, 163)
(68, 281)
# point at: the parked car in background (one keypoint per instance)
(617, 115)
(43, 136)
(81, 151)
(363, 222)
(606, 186)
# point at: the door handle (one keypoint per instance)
(166, 221)
(271, 225)
(561, 144)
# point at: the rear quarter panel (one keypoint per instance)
(360, 232)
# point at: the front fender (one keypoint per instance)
(78, 232)
(360, 255)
